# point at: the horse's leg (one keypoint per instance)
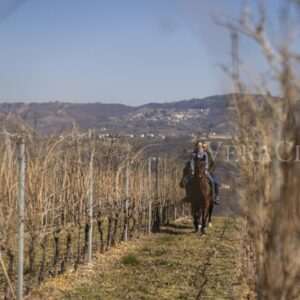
(203, 226)
(195, 224)
(195, 217)
(204, 217)
(211, 207)
(199, 220)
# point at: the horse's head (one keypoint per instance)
(200, 169)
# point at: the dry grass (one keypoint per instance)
(269, 173)
(172, 265)
(57, 186)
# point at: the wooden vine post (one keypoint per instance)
(126, 202)
(90, 210)
(21, 202)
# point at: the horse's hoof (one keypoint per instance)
(199, 226)
(209, 224)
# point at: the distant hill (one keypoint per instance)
(172, 118)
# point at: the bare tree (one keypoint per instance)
(271, 193)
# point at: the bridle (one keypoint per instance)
(199, 176)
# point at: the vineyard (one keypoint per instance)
(174, 264)
(99, 213)
(82, 195)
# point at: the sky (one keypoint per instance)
(121, 51)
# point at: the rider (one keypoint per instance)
(211, 169)
(199, 153)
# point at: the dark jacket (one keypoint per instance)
(211, 163)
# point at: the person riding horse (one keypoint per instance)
(199, 154)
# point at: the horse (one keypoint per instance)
(200, 196)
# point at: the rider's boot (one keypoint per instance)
(216, 200)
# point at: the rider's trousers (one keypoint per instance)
(213, 184)
(216, 182)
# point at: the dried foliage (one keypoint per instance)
(268, 140)
(58, 170)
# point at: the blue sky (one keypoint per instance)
(125, 51)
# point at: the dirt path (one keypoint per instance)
(175, 264)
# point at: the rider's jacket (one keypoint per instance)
(211, 163)
(198, 155)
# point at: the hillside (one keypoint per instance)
(172, 118)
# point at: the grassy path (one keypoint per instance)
(175, 264)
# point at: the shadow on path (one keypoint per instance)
(170, 231)
(181, 226)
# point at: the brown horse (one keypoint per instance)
(199, 194)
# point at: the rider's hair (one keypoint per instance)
(196, 144)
